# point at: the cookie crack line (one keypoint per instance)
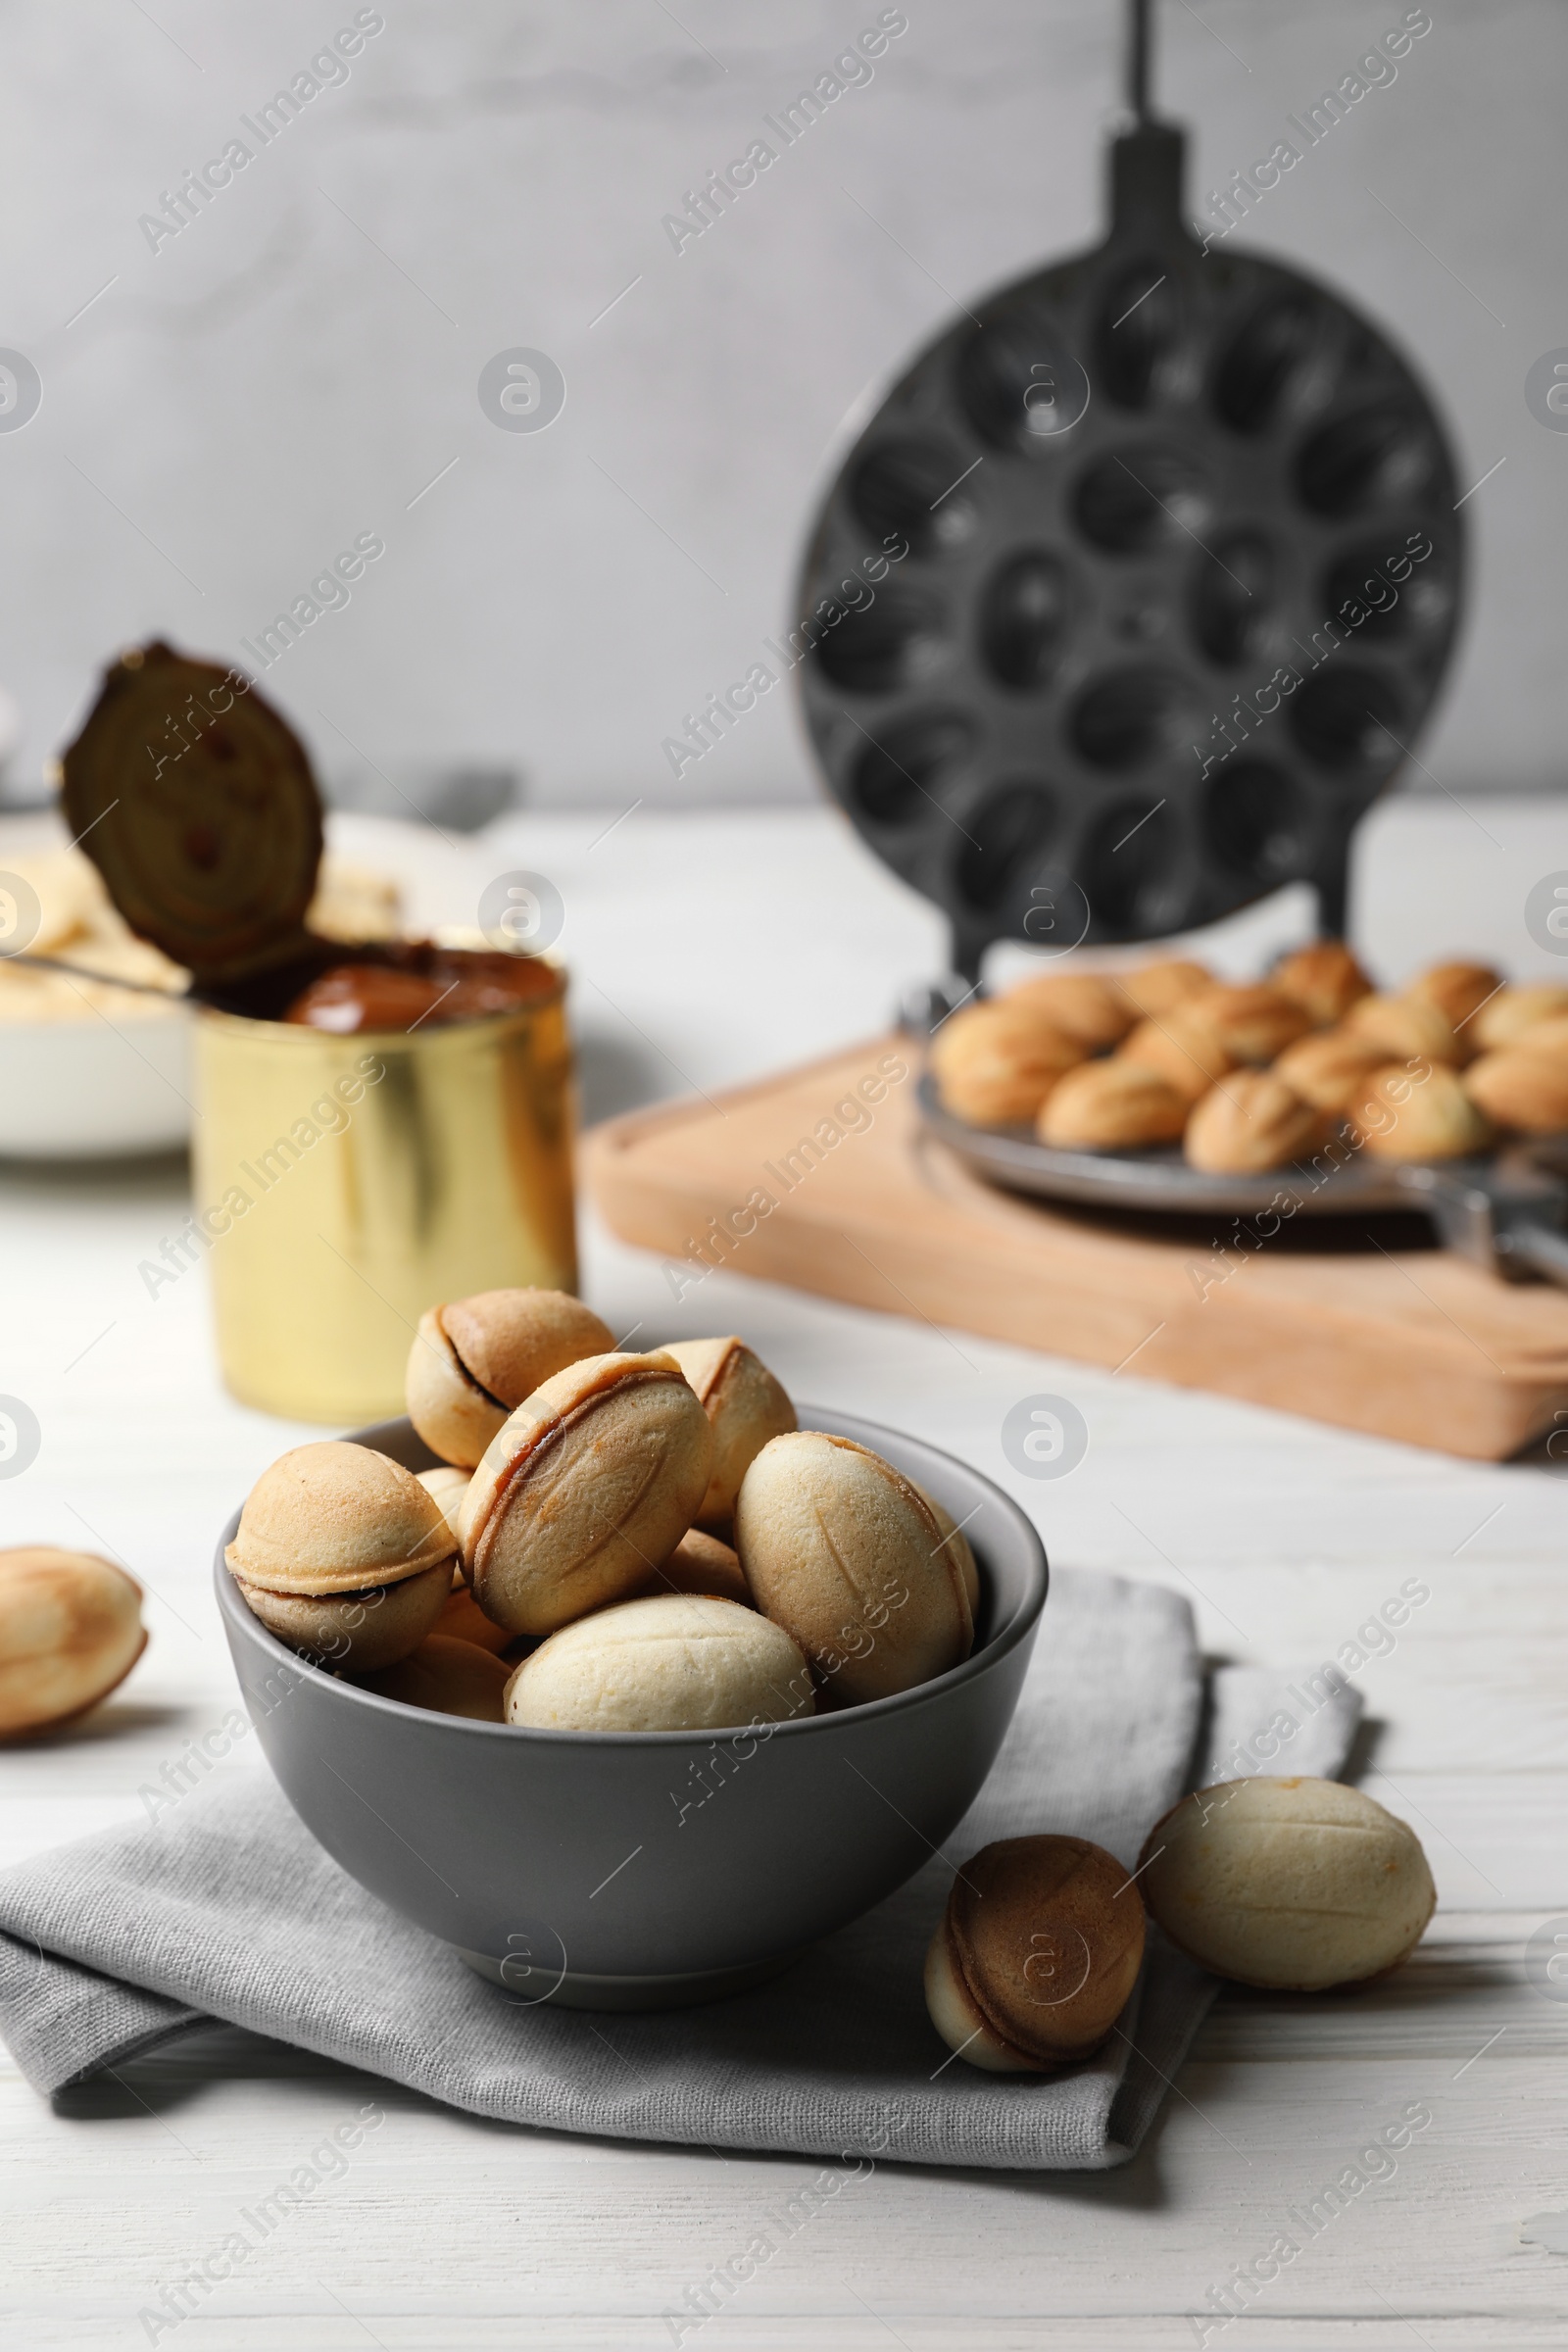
(837, 1557)
(639, 1645)
(551, 1435)
(1268, 1828)
(472, 1378)
(1297, 1911)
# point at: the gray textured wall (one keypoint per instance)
(295, 365)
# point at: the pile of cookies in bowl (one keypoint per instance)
(617, 1543)
(1250, 1077)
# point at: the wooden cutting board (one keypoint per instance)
(822, 1178)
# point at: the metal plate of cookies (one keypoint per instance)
(1157, 1180)
(1165, 1091)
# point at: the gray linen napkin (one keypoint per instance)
(227, 1908)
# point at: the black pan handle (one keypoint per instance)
(1507, 1215)
(1139, 59)
(1542, 1249)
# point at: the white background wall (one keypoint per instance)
(235, 406)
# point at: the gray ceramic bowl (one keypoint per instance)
(643, 1870)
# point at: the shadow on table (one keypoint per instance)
(1549, 1451)
(112, 1720)
(148, 1174)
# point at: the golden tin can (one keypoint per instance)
(348, 1183)
(344, 1182)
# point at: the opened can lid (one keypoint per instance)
(195, 800)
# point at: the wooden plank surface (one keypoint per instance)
(864, 1205)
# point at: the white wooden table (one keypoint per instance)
(705, 950)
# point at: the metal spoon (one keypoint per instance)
(80, 971)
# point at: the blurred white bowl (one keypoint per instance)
(92, 1086)
(89, 1090)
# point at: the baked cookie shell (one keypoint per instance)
(1512, 1011)
(702, 1563)
(474, 1360)
(846, 1554)
(1182, 1047)
(745, 1405)
(331, 1517)
(70, 1631)
(1113, 1105)
(1522, 1087)
(1249, 1123)
(1154, 989)
(511, 1342)
(588, 1487)
(463, 1620)
(1458, 990)
(1409, 1028)
(1045, 1939)
(449, 1485)
(446, 1677)
(1290, 1885)
(355, 1631)
(451, 1412)
(994, 1064)
(1253, 1022)
(1324, 978)
(1414, 1114)
(665, 1662)
(1086, 1006)
(1324, 1070)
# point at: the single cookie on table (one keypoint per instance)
(355, 1631)
(1253, 1022)
(996, 1063)
(1294, 1884)
(449, 1487)
(1407, 1027)
(444, 1677)
(745, 1406)
(702, 1563)
(1113, 1105)
(1036, 1956)
(1514, 1010)
(590, 1484)
(847, 1554)
(1522, 1087)
(1413, 1112)
(1324, 979)
(1252, 1122)
(1154, 989)
(70, 1631)
(1181, 1046)
(474, 1360)
(1326, 1070)
(1087, 1007)
(1457, 990)
(669, 1662)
